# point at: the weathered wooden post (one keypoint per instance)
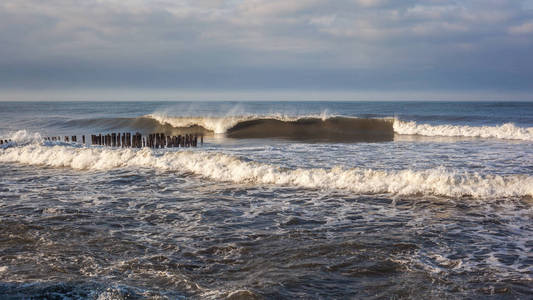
(83, 139)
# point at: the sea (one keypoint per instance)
(281, 200)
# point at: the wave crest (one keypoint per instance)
(218, 125)
(506, 131)
(338, 127)
(223, 167)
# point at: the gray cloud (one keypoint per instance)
(267, 44)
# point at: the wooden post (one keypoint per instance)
(83, 139)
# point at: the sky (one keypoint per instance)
(266, 50)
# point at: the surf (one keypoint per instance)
(229, 168)
(311, 128)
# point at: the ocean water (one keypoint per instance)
(284, 200)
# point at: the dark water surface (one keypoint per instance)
(424, 216)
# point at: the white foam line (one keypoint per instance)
(223, 167)
(507, 131)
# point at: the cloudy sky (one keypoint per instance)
(266, 49)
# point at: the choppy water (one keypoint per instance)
(440, 207)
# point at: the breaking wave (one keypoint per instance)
(506, 131)
(338, 127)
(223, 167)
(308, 128)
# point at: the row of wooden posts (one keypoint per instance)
(4, 142)
(137, 140)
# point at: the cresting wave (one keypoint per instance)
(223, 167)
(338, 127)
(506, 131)
(310, 127)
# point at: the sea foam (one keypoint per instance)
(506, 131)
(224, 167)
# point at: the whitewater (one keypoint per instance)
(222, 167)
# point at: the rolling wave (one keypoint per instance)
(506, 131)
(228, 168)
(308, 128)
(338, 128)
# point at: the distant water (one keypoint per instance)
(306, 200)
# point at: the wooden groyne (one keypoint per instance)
(137, 140)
